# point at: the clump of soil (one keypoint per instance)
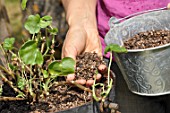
(61, 97)
(148, 39)
(87, 65)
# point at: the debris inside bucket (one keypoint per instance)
(148, 39)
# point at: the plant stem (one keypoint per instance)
(46, 51)
(4, 69)
(42, 47)
(108, 90)
(31, 89)
(11, 98)
(10, 83)
(23, 63)
(110, 62)
(93, 91)
(33, 36)
(75, 84)
(2, 49)
(81, 87)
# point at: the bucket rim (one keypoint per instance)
(148, 49)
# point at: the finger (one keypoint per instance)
(97, 77)
(70, 77)
(93, 44)
(81, 81)
(168, 6)
(74, 43)
(69, 52)
(89, 83)
(102, 69)
(96, 48)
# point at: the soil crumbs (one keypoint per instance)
(148, 39)
(61, 97)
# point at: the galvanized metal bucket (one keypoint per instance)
(146, 71)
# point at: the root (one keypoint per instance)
(73, 83)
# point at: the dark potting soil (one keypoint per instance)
(61, 97)
(148, 39)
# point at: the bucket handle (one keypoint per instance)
(114, 20)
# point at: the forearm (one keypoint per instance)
(81, 12)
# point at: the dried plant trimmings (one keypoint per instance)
(148, 39)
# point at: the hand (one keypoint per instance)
(80, 39)
(82, 35)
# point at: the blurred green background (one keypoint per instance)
(15, 16)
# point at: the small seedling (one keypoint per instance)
(106, 89)
(33, 69)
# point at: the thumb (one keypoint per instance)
(74, 43)
(69, 52)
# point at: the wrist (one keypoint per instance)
(86, 20)
(81, 12)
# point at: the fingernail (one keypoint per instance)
(102, 68)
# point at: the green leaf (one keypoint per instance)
(47, 18)
(44, 24)
(48, 43)
(8, 43)
(39, 58)
(64, 67)
(67, 65)
(55, 68)
(45, 74)
(30, 54)
(12, 67)
(21, 82)
(23, 4)
(45, 21)
(32, 24)
(53, 31)
(115, 48)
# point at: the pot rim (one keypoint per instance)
(148, 49)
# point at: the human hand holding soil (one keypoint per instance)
(82, 35)
(78, 41)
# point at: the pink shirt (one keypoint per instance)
(122, 8)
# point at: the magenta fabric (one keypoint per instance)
(121, 8)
